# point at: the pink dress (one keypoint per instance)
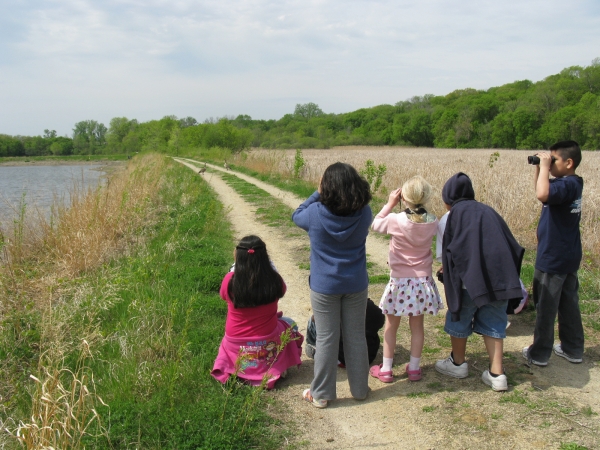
(250, 348)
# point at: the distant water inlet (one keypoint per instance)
(38, 187)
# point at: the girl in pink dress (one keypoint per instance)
(251, 348)
(411, 290)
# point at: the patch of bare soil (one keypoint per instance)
(544, 408)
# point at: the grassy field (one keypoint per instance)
(502, 179)
(111, 313)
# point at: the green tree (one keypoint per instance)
(62, 146)
(119, 128)
(89, 137)
(10, 146)
(174, 141)
(307, 111)
(187, 122)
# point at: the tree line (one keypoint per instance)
(521, 115)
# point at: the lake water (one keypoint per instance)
(41, 185)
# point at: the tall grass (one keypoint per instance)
(63, 413)
(502, 179)
(133, 270)
(40, 259)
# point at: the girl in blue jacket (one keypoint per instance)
(337, 218)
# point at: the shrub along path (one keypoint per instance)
(552, 407)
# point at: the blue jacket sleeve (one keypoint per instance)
(301, 216)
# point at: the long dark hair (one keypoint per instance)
(255, 282)
(343, 190)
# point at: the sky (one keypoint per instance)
(64, 61)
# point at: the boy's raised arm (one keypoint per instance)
(542, 177)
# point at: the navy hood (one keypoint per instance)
(458, 187)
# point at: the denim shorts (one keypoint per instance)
(489, 320)
(290, 321)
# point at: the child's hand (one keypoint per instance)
(545, 160)
(395, 197)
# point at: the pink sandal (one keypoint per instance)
(384, 377)
(414, 375)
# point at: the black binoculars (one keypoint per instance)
(535, 160)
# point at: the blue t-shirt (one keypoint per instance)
(559, 238)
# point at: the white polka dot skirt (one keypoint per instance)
(411, 297)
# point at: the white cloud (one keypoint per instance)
(71, 60)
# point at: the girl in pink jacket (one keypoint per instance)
(251, 348)
(411, 290)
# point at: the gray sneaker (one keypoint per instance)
(447, 367)
(499, 383)
(532, 361)
(559, 351)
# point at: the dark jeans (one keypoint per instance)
(556, 294)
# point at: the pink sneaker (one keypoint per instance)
(414, 375)
(384, 377)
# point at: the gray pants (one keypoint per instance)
(331, 310)
(556, 294)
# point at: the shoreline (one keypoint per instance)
(63, 162)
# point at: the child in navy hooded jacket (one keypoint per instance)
(481, 262)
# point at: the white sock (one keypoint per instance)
(387, 364)
(414, 363)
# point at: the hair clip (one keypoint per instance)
(250, 250)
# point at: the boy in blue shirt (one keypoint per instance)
(555, 282)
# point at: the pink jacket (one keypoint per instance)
(410, 246)
(257, 356)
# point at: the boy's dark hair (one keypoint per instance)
(568, 149)
(343, 190)
(255, 282)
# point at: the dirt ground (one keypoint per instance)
(544, 408)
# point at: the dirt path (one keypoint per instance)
(376, 248)
(546, 407)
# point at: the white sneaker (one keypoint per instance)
(499, 383)
(559, 351)
(532, 361)
(447, 367)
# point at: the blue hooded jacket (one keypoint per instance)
(338, 258)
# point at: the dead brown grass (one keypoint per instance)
(506, 185)
(62, 413)
(83, 234)
(40, 293)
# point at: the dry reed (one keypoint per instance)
(63, 409)
(81, 235)
(40, 260)
(505, 182)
